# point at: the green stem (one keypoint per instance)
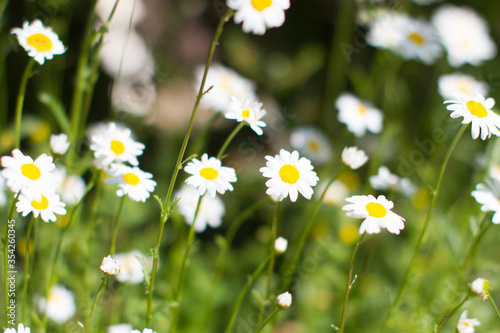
(20, 101)
(243, 293)
(26, 267)
(180, 282)
(473, 247)
(305, 234)
(222, 258)
(101, 287)
(229, 139)
(166, 204)
(274, 235)
(349, 283)
(115, 228)
(493, 303)
(426, 223)
(275, 311)
(6, 253)
(437, 327)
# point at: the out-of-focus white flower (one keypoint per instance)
(20, 329)
(33, 177)
(289, 175)
(125, 54)
(250, 111)
(489, 197)
(284, 301)
(120, 328)
(384, 180)
(59, 143)
(40, 42)
(312, 143)
(358, 115)
(131, 181)
(110, 267)
(47, 206)
(130, 267)
(480, 287)
(225, 83)
(376, 213)
(495, 171)
(208, 175)
(3, 197)
(464, 34)
(71, 189)
(112, 143)
(477, 111)
(259, 15)
(146, 330)
(354, 157)
(466, 325)
(60, 305)
(134, 96)
(210, 212)
(449, 84)
(280, 245)
(336, 193)
(127, 12)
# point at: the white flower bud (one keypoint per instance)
(110, 267)
(480, 288)
(59, 144)
(284, 300)
(354, 157)
(280, 245)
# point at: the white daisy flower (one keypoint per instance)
(40, 42)
(419, 41)
(384, 180)
(70, 188)
(250, 111)
(466, 325)
(130, 267)
(225, 83)
(464, 35)
(280, 245)
(489, 197)
(60, 305)
(376, 212)
(358, 115)
(59, 143)
(312, 143)
(47, 206)
(259, 15)
(289, 175)
(354, 157)
(208, 175)
(20, 329)
(449, 84)
(477, 110)
(210, 212)
(110, 267)
(111, 143)
(22, 173)
(480, 287)
(131, 181)
(384, 30)
(120, 328)
(336, 193)
(146, 330)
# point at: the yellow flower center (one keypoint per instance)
(477, 109)
(313, 145)
(209, 173)
(260, 5)
(117, 147)
(375, 209)
(40, 205)
(289, 174)
(416, 38)
(31, 171)
(245, 113)
(40, 42)
(362, 109)
(131, 179)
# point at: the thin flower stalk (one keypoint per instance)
(243, 293)
(104, 282)
(6, 255)
(230, 138)
(112, 248)
(475, 242)
(274, 235)
(493, 303)
(445, 318)
(167, 201)
(349, 283)
(271, 315)
(434, 196)
(26, 266)
(20, 101)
